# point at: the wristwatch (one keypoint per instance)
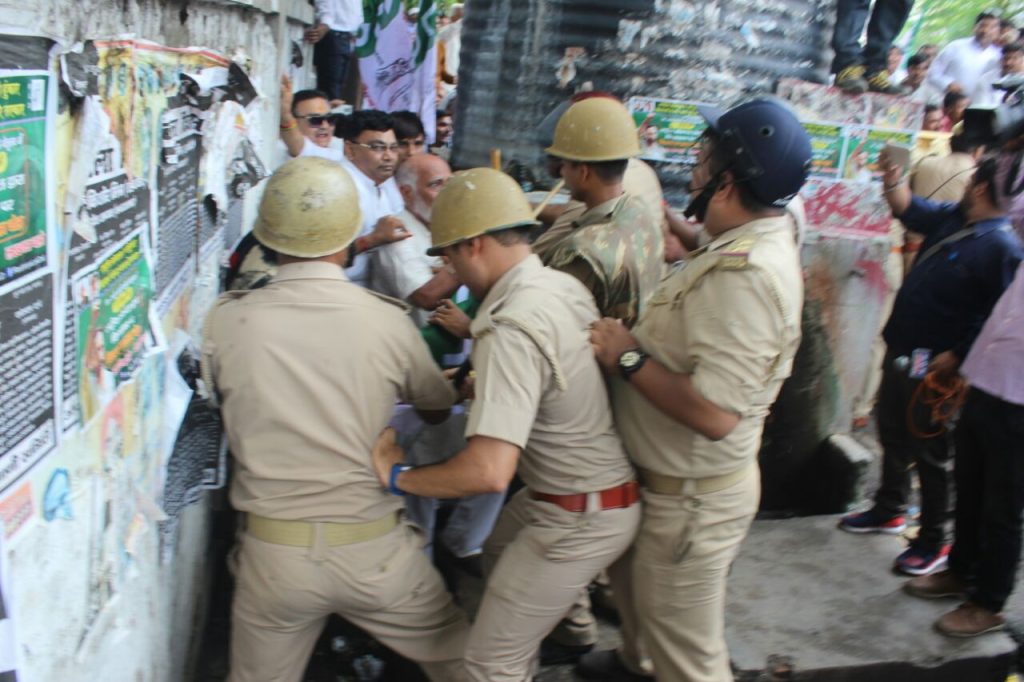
(631, 361)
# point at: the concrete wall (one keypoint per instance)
(98, 584)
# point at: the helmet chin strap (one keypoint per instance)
(698, 207)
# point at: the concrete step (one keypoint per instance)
(829, 601)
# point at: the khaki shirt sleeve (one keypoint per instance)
(735, 337)
(208, 363)
(510, 377)
(425, 387)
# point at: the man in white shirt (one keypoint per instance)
(959, 66)
(371, 155)
(1011, 63)
(307, 127)
(404, 270)
(338, 21)
(916, 81)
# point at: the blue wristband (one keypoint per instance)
(393, 479)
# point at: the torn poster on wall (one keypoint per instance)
(198, 460)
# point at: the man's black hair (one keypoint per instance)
(990, 13)
(917, 60)
(304, 95)
(407, 125)
(608, 171)
(952, 98)
(367, 119)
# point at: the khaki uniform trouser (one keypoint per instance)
(539, 558)
(387, 586)
(670, 587)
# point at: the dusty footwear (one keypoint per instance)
(556, 653)
(936, 586)
(871, 521)
(879, 82)
(970, 620)
(606, 665)
(922, 560)
(851, 80)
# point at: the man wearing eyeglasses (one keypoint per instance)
(307, 127)
(371, 156)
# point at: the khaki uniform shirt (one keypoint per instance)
(617, 250)
(730, 319)
(304, 396)
(538, 385)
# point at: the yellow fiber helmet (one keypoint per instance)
(595, 129)
(309, 209)
(476, 202)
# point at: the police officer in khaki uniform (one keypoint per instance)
(303, 401)
(692, 385)
(615, 246)
(567, 236)
(540, 405)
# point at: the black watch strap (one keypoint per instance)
(630, 362)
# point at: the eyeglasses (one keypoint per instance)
(379, 147)
(317, 120)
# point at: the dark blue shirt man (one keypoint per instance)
(967, 260)
(961, 271)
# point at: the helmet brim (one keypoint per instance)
(437, 249)
(711, 114)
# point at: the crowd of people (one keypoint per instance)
(584, 385)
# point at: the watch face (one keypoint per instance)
(629, 358)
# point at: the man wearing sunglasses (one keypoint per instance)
(307, 127)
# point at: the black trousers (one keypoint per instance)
(332, 55)
(990, 497)
(887, 19)
(902, 451)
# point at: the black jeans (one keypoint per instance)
(902, 451)
(331, 57)
(887, 19)
(990, 497)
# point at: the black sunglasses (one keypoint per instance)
(317, 120)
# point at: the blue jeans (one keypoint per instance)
(887, 19)
(331, 57)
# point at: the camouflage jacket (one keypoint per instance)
(616, 249)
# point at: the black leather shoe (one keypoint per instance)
(556, 653)
(606, 665)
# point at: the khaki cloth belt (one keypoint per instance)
(303, 533)
(673, 485)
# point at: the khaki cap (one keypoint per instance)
(595, 129)
(309, 209)
(475, 202)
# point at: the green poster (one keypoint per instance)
(826, 149)
(23, 221)
(114, 333)
(668, 129)
(863, 144)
